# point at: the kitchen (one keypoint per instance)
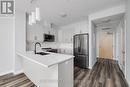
(63, 39)
(44, 52)
(43, 38)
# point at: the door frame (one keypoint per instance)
(114, 54)
(98, 44)
(92, 17)
(112, 43)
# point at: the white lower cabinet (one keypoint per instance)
(65, 76)
(59, 75)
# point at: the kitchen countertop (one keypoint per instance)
(45, 60)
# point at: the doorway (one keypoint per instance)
(106, 45)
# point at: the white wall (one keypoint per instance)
(118, 50)
(6, 44)
(105, 13)
(119, 46)
(128, 42)
(20, 38)
(92, 44)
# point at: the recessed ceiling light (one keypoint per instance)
(32, 1)
(106, 21)
(106, 28)
(63, 15)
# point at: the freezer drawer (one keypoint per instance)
(81, 61)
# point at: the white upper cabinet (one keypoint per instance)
(36, 31)
(66, 33)
(81, 27)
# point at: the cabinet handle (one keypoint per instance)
(80, 31)
(48, 32)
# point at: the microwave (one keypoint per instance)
(49, 38)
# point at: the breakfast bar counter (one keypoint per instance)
(50, 70)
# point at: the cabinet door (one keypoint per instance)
(45, 30)
(69, 35)
(66, 35)
(60, 36)
(55, 32)
(51, 31)
(81, 28)
(77, 29)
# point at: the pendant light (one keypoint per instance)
(33, 17)
(38, 18)
(30, 19)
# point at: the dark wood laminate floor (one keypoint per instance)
(15, 81)
(105, 73)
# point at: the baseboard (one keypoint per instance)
(90, 67)
(18, 72)
(129, 83)
(15, 73)
(4, 73)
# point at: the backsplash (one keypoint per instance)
(54, 45)
(65, 48)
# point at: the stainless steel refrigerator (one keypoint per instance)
(81, 50)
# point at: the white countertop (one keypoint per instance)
(45, 60)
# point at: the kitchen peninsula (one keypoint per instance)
(51, 70)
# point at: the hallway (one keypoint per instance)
(105, 73)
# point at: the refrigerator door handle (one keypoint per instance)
(79, 47)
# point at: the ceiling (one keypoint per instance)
(108, 23)
(76, 10)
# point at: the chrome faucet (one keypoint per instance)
(35, 51)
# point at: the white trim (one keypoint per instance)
(14, 56)
(18, 72)
(91, 66)
(114, 46)
(8, 17)
(125, 44)
(4, 73)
